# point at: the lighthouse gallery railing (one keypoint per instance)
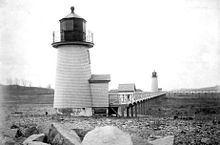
(57, 37)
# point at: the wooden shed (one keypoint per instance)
(99, 90)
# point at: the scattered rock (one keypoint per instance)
(153, 137)
(18, 134)
(185, 131)
(218, 133)
(205, 140)
(30, 130)
(130, 121)
(107, 135)
(14, 126)
(34, 137)
(175, 117)
(61, 135)
(168, 140)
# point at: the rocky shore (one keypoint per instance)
(141, 129)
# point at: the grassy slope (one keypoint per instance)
(27, 95)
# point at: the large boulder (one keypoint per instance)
(139, 140)
(37, 143)
(7, 141)
(81, 132)
(107, 135)
(10, 132)
(34, 137)
(168, 140)
(29, 131)
(61, 135)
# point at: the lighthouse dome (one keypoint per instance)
(72, 14)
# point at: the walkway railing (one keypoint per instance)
(194, 91)
(114, 98)
(147, 95)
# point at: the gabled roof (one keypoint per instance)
(126, 88)
(104, 78)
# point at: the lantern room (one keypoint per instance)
(73, 27)
(154, 74)
(72, 31)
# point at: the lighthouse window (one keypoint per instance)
(84, 27)
(67, 25)
(78, 25)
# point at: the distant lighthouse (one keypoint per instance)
(154, 83)
(72, 89)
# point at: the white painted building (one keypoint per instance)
(77, 91)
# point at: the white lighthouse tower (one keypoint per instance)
(154, 83)
(72, 88)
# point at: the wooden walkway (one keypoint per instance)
(137, 105)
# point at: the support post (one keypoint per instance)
(135, 110)
(146, 107)
(127, 111)
(107, 112)
(122, 110)
(141, 107)
(132, 115)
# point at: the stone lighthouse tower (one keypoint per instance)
(154, 84)
(72, 88)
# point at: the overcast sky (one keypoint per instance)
(180, 39)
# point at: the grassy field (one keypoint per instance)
(25, 101)
(27, 95)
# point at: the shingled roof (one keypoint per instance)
(126, 88)
(104, 78)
